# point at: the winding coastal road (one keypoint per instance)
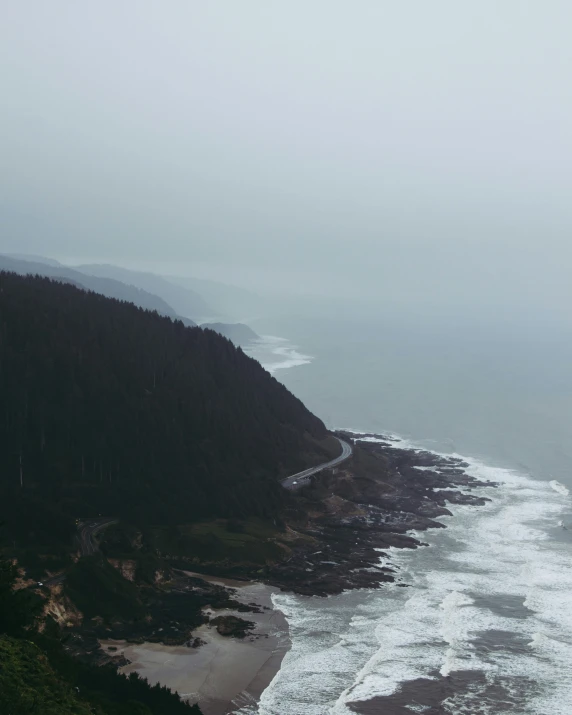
(87, 545)
(88, 530)
(303, 478)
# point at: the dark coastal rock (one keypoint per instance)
(348, 516)
(431, 694)
(121, 661)
(339, 530)
(195, 643)
(87, 649)
(172, 614)
(232, 626)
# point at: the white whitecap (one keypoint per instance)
(560, 488)
(275, 353)
(360, 645)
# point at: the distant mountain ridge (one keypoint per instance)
(109, 287)
(33, 258)
(185, 301)
(194, 300)
(229, 301)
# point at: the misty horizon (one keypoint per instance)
(286, 325)
(413, 158)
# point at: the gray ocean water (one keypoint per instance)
(486, 623)
(503, 394)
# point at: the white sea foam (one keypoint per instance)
(364, 644)
(275, 353)
(454, 629)
(560, 488)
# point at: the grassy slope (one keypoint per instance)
(29, 685)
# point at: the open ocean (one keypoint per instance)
(486, 623)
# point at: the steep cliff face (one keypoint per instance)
(60, 607)
(126, 567)
(131, 570)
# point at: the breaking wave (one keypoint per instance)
(275, 353)
(560, 488)
(487, 616)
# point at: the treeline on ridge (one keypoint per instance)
(111, 409)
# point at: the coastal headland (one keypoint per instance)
(332, 538)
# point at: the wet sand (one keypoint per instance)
(225, 673)
(438, 696)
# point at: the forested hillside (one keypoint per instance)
(39, 677)
(239, 333)
(108, 408)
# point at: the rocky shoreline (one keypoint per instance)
(173, 620)
(236, 659)
(350, 514)
(335, 534)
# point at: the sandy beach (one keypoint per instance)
(226, 673)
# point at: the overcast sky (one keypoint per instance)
(409, 151)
